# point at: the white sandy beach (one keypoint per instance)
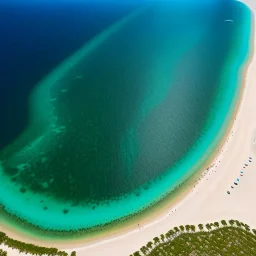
(209, 200)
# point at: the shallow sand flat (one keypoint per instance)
(209, 200)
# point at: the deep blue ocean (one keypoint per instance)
(35, 37)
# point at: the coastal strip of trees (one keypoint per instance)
(225, 238)
(3, 253)
(30, 248)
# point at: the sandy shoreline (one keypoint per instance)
(207, 201)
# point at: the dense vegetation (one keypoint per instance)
(231, 238)
(29, 248)
(3, 253)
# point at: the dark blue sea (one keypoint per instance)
(36, 36)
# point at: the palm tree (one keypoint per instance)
(232, 222)
(187, 228)
(201, 227)
(247, 227)
(149, 245)
(2, 237)
(193, 228)
(156, 240)
(73, 253)
(144, 250)
(181, 228)
(169, 234)
(176, 229)
(224, 223)
(208, 226)
(216, 224)
(162, 237)
(238, 223)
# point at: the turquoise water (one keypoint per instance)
(128, 117)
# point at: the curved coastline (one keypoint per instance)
(212, 154)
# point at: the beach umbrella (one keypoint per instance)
(235, 183)
(228, 192)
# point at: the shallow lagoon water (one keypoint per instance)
(128, 117)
